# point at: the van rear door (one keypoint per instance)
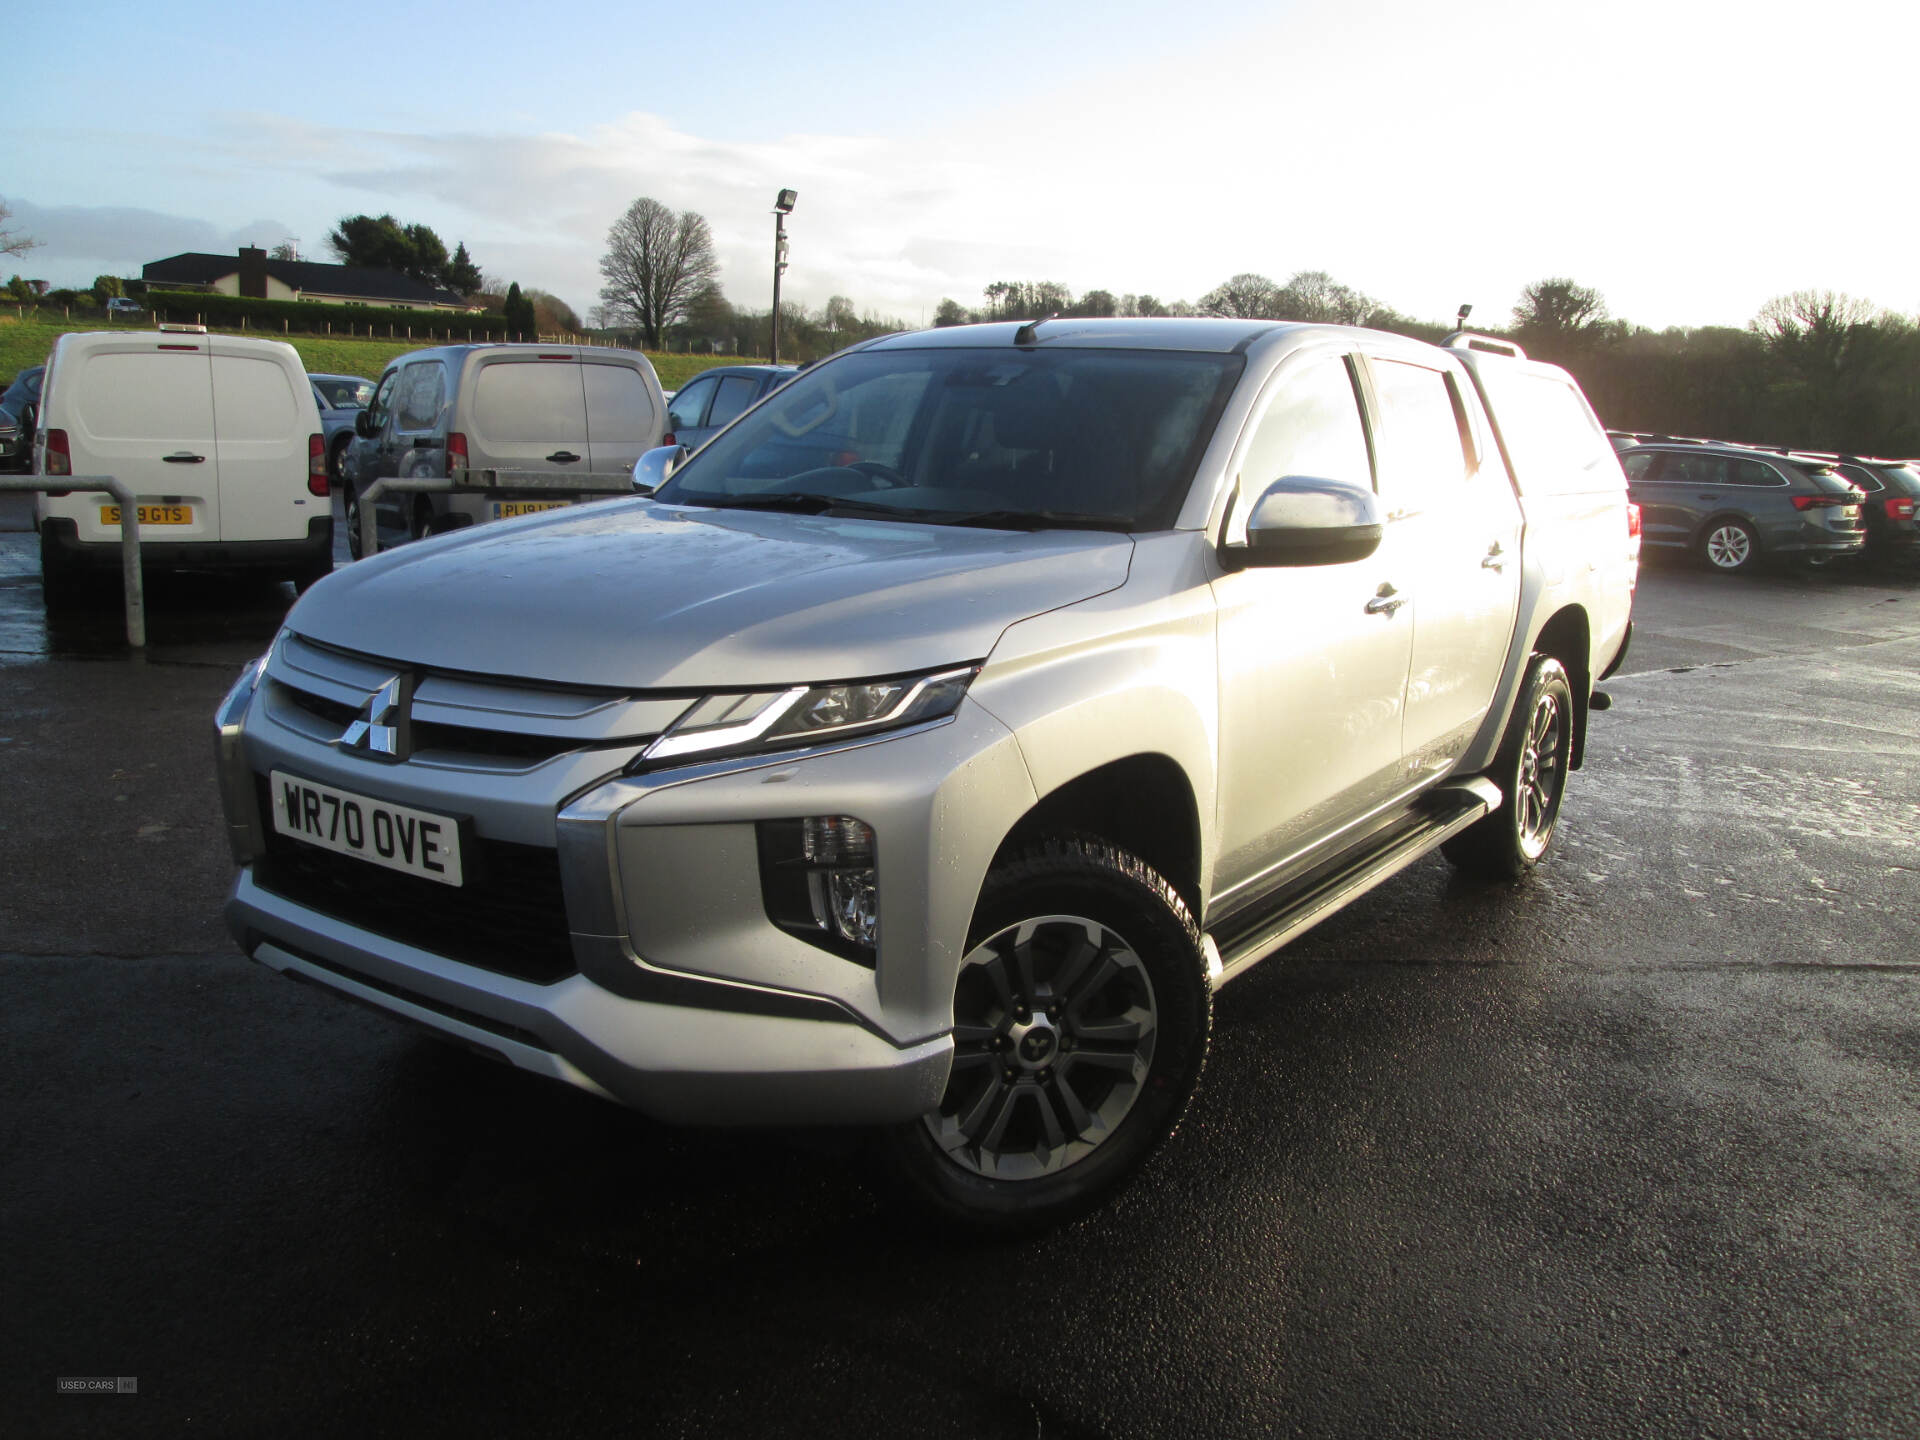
(529, 413)
(263, 415)
(623, 418)
(142, 410)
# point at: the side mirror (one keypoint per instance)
(656, 467)
(1300, 520)
(363, 425)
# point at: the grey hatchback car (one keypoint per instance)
(1732, 506)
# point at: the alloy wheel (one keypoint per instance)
(1054, 1030)
(1542, 778)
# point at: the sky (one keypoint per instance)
(1689, 160)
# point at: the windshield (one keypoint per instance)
(1103, 439)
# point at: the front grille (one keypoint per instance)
(509, 917)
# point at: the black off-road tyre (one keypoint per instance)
(1531, 770)
(1084, 997)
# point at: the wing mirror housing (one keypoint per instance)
(654, 468)
(1302, 520)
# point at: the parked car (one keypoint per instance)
(1733, 506)
(19, 416)
(715, 397)
(119, 307)
(1891, 490)
(219, 437)
(565, 409)
(341, 398)
(945, 731)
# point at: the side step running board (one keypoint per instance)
(1297, 909)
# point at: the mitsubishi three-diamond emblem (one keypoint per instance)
(381, 728)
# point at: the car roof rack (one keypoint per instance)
(1490, 344)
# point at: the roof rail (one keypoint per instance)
(1473, 340)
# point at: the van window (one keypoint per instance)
(147, 396)
(252, 399)
(619, 406)
(1420, 445)
(1556, 444)
(1312, 428)
(423, 387)
(529, 402)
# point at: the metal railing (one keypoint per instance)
(136, 595)
(495, 485)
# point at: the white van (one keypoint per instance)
(219, 437)
(557, 409)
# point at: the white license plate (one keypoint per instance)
(414, 842)
(507, 509)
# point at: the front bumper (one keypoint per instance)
(682, 998)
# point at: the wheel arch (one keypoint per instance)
(1568, 637)
(1143, 803)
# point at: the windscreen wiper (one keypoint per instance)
(808, 503)
(1036, 520)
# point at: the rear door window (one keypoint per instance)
(130, 395)
(530, 402)
(736, 392)
(1753, 472)
(1638, 467)
(1686, 469)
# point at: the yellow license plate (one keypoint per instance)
(507, 509)
(150, 514)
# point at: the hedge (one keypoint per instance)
(287, 316)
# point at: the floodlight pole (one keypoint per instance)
(781, 206)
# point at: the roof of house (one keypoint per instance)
(359, 281)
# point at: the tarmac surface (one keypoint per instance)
(1628, 1149)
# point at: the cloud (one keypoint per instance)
(118, 239)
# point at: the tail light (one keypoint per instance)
(59, 457)
(456, 452)
(1899, 508)
(317, 465)
(1823, 502)
(1633, 521)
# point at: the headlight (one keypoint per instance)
(808, 714)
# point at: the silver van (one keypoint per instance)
(572, 409)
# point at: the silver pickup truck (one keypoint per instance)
(931, 746)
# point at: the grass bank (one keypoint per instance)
(26, 341)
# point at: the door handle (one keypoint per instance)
(183, 458)
(1714, 496)
(563, 457)
(1386, 601)
(1494, 559)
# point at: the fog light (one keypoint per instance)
(852, 905)
(819, 882)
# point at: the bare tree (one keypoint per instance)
(12, 242)
(1245, 297)
(656, 263)
(1811, 313)
(1558, 308)
(288, 249)
(1316, 297)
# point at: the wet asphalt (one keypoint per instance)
(1630, 1149)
